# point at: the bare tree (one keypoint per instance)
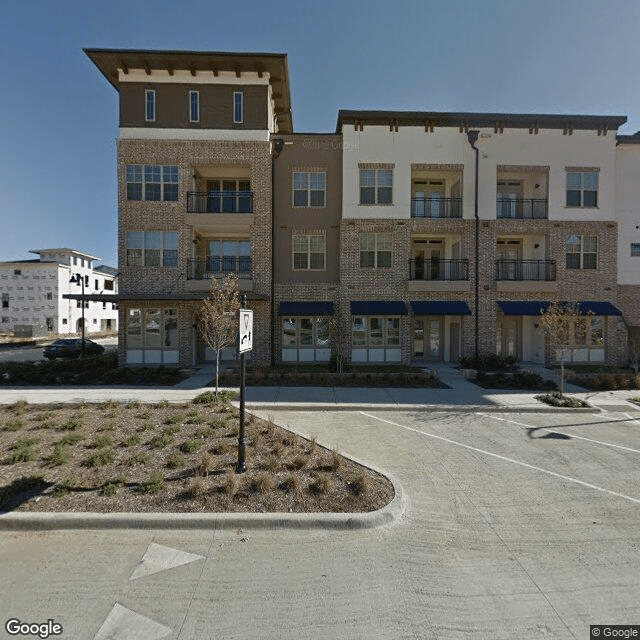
(335, 333)
(558, 323)
(217, 317)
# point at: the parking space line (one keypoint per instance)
(531, 426)
(505, 459)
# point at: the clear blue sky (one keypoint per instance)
(58, 114)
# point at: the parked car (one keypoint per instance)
(71, 348)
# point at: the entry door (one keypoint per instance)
(428, 338)
(509, 198)
(509, 337)
(454, 341)
(434, 255)
(509, 257)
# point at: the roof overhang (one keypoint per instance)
(464, 121)
(112, 61)
(118, 297)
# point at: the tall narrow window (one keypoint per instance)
(194, 106)
(150, 104)
(238, 106)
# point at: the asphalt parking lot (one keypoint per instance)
(516, 526)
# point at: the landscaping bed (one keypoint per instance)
(556, 400)
(163, 457)
(102, 369)
(522, 381)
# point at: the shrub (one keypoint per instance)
(61, 455)
(73, 423)
(231, 483)
(101, 442)
(159, 442)
(145, 415)
(153, 485)
(299, 461)
(138, 458)
(13, 425)
(262, 483)
(556, 400)
(319, 484)
(291, 484)
(208, 397)
(206, 464)
(190, 446)
(70, 439)
(176, 462)
(163, 404)
(169, 431)
(197, 486)
(63, 487)
(102, 458)
(336, 460)
(360, 483)
(272, 463)
(146, 426)
(176, 418)
(133, 440)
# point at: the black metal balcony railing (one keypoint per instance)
(214, 266)
(522, 208)
(436, 207)
(438, 269)
(526, 270)
(220, 202)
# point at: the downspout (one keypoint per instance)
(472, 136)
(276, 148)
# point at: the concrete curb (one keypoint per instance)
(330, 406)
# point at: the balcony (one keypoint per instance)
(525, 275)
(220, 202)
(438, 275)
(522, 208)
(436, 207)
(200, 271)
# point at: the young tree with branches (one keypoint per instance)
(217, 318)
(558, 322)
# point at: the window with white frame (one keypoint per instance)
(152, 182)
(309, 252)
(311, 333)
(194, 106)
(635, 249)
(375, 250)
(150, 105)
(582, 189)
(309, 188)
(582, 252)
(152, 336)
(375, 331)
(238, 107)
(152, 248)
(376, 186)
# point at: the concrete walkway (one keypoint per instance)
(461, 395)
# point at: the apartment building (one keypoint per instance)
(34, 294)
(403, 237)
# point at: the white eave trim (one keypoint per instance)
(184, 77)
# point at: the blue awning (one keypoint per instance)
(529, 308)
(440, 308)
(306, 308)
(378, 308)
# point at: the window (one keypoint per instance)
(635, 249)
(5, 319)
(194, 106)
(309, 252)
(375, 331)
(229, 196)
(582, 252)
(309, 188)
(152, 248)
(96, 284)
(229, 256)
(152, 336)
(312, 333)
(17, 272)
(376, 186)
(238, 107)
(5, 300)
(152, 182)
(375, 250)
(108, 285)
(49, 296)
(582, 188)
(150, 105)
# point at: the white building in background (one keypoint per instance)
(32, 293)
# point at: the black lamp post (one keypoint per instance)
(78, 279)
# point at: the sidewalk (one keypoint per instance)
(461, 395)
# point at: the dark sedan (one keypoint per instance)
(71, 348)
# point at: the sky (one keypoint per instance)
(58, 114)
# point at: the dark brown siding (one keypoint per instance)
(172, 106)
(322, 152)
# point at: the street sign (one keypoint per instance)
(245, 342)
